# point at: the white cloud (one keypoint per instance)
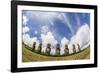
(64, 41)
(44, 29)
(29, 41)
(25, 29)
(36, 32)
(25, 20)
(43, 15)
(26, 39)
(45, 18)
(82, 36)
(48, 38)
(78, 20)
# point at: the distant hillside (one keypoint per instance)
(29, 56)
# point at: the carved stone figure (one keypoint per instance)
(74, 49)
(66, 50)
(40, 47)
(48, 49)
(78, 47)
(34, 46)
(58, 49)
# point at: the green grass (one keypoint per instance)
(29, 56)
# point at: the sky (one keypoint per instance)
(55, 27)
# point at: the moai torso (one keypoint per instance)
(34, 46)
(58, 49)
(48, 49)
(66, 50)
(40, 47)
(74, 49)
(78, 47)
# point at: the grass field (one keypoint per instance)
(29, 56)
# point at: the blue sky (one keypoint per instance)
(59, 26)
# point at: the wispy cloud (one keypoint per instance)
(77, 20)
(67, 22)
(47, 19)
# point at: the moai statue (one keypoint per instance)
(48, 49)
(40, 47)
(66, 50)
(78, 47)
(74, 49)
(22, 42)
(34, 46)
(58, 49)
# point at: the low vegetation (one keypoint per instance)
(30, 56)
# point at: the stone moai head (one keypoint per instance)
(66, 46)
(58, 49)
